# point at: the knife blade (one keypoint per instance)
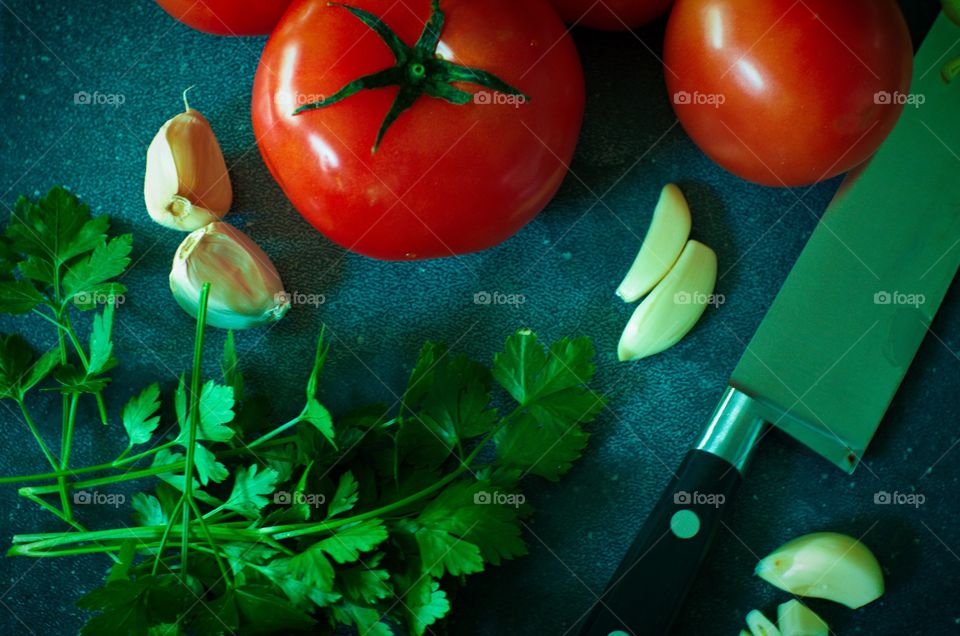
(831, 351)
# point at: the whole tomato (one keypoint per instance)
(227, 17)
(610, 15)
(418, 129)
(787, 93)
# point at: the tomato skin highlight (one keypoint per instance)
(610, 15)
(227, 17)
(798, 83)
(447, 179)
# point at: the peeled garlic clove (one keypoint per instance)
(760, 625)
(744, 632)
(825, 565)
(245, 289)
(187, 185)
(668, 233)
(796, 619)
(673, 307)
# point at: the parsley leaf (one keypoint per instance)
(140, 417)
(467, 510)
(345, 497)
(19, 372)
(314, 568)
(249, 490)
(132, 606)
(101, 345)
(107, 261)
(317, 415)
(216, 410)
(547, 437)
(147, 510)
(56, 228)
(18, 297)
(348, 542)
(249, 609)
(425, 603)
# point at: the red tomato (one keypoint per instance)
(227, 17)
(446, 178)
(610, 15)
(787, 93)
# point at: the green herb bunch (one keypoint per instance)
(363, 520)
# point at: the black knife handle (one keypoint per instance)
(647, 590)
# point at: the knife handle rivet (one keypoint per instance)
(685, 524)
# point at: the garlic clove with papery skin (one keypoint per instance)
(796, 619)
(187, 185)
(825, 565)
(245, 291)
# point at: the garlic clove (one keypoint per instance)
(245, 290)
(187, 185)
(760, 625)
(796, 619)
(673, 307)
(665, 239)
(744, 632)
(825, 565)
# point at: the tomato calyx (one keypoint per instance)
(418, 71)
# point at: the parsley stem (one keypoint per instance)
(36, 435)
(61, 481)
(67, 442)
(194, 423)
(299, 529)
(28, 543)
(166, 535)
(213, 544)
(127, 476)
(68, 327)
(64, 325)
(280, 429)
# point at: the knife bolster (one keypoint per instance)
(734, 429)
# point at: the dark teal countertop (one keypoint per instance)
(566, 264)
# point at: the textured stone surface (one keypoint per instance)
(566, 263)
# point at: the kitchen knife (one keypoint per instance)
(831, 351)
